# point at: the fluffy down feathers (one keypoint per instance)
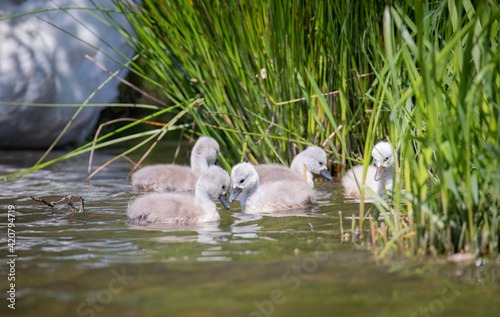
(378, 177)
(269, 197)
(170, 177)
(184, 208)
(308, 162)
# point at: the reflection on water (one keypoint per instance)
(291, 263)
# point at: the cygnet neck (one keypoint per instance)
(252, 189)
(199, 164)
(299, 166)
(203, 200)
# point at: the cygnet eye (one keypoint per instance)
(320, 163)
(241, 181)
(224, 187)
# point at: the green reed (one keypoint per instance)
(260, 67)
(443, 94)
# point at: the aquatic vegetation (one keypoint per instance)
(257, 67)
(441, 86)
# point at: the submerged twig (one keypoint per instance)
(71, 204)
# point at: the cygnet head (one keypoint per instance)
(383, 158)
(315, 160)
(244, 177)
(215, 182)
(204, 153)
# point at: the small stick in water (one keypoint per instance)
(71, 204)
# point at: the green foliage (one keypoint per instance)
(260, 66)
(444, 67)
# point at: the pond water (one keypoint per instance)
(291, 264)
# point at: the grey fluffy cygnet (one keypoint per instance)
(183, 208)
(268, 197)
(378, 177)
(171, 177)
(308, 162)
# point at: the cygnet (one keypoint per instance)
(268, 197)
(183, 208)
(308, 162)
(171, 177)
(378, 177)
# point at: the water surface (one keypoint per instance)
(290, 264)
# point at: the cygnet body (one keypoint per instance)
(378, 177)
(307, 163)
(268, 197)
(183, 208)
(171, 177)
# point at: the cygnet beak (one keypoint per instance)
(326, 175)
(223, 200)
(379, 173)
(236, 191)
